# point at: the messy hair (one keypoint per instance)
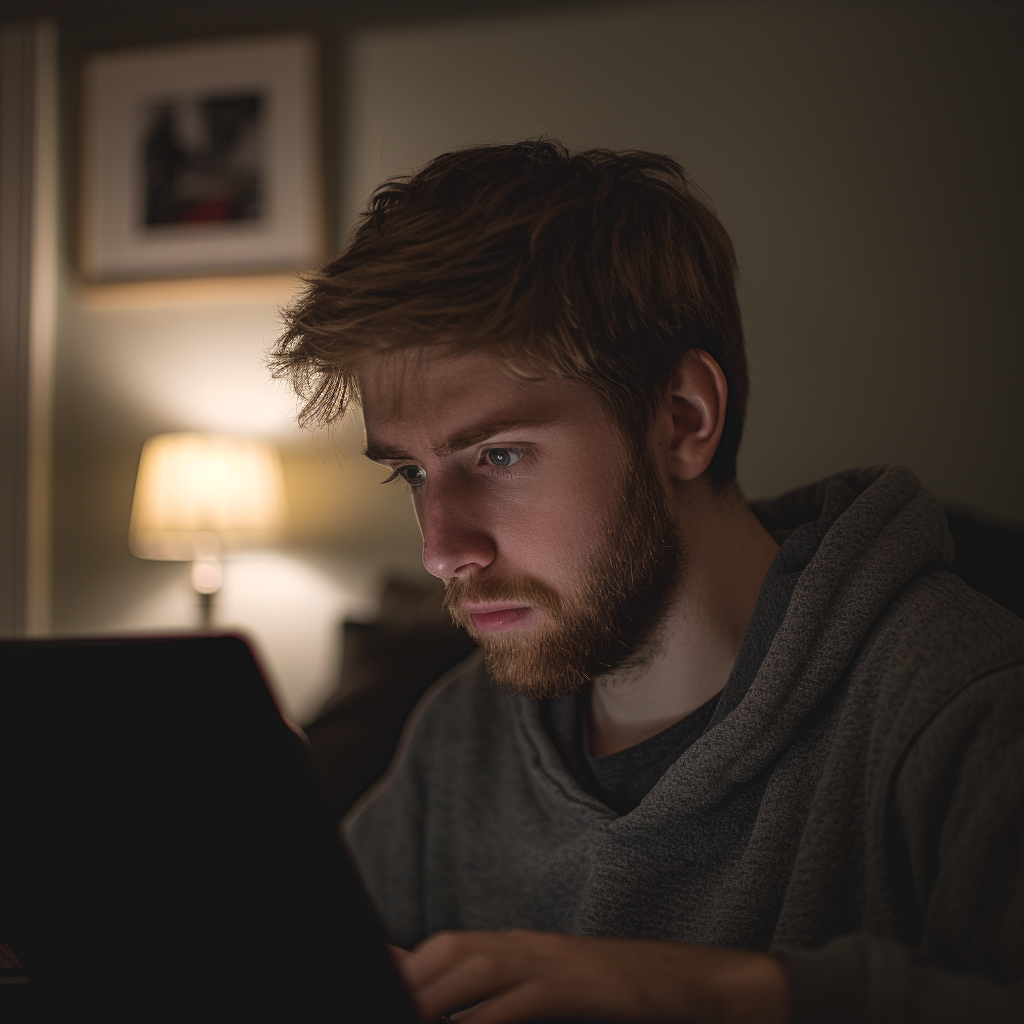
(598, 267)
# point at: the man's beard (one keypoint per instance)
(607, 618)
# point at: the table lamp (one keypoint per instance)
(201, 496)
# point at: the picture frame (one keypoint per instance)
(201, 159)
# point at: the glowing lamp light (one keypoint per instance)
(199, 497)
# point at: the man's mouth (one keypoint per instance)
(494, 618)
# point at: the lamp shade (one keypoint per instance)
(202, 495)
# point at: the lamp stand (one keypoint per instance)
(206, 579)
(206, 612)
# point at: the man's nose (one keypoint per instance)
(454, 543)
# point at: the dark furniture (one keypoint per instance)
(387, 666)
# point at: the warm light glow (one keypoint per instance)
(199, 496)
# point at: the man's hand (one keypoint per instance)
(524, 975)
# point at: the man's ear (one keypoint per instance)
(695, 399)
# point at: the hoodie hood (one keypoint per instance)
(879, 528)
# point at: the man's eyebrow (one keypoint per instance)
(456, 443)
(384, 453)
(481, 432)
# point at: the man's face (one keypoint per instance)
(554, 538)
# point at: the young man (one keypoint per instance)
(717, 762)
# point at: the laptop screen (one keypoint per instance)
(166, 852)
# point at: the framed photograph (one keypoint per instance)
(201, 158)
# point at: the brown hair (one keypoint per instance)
(596, 266)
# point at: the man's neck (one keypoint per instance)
(728, 554)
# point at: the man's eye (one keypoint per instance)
(412, 475)
(502, 457)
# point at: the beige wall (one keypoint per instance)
(865, 158)
(138, 360)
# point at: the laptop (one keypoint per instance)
(166, 853)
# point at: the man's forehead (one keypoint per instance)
(446, 398)
(433, 366)
(419, 384)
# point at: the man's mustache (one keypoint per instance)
(515, 590)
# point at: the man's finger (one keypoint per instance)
(440, 953)
(467, 982)
(398, 955)
(529, 1000)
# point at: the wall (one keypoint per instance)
(865, 158)
(133, 360)
(859, 154)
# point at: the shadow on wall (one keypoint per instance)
(989, 557)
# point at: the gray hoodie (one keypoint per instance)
(859, 809)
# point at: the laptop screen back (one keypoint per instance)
(166, 853)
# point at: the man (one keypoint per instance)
(718, 762)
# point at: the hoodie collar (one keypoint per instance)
(851, 542)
